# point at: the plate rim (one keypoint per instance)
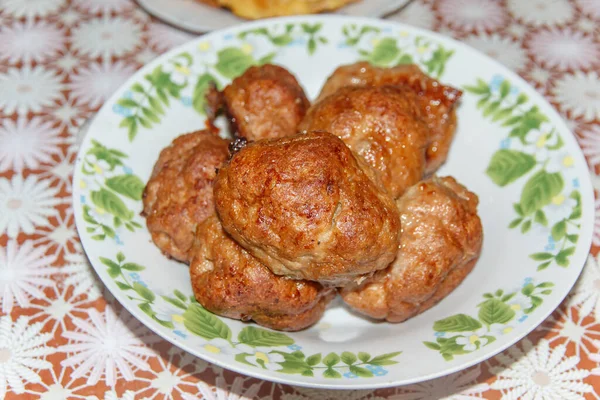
(577, 262)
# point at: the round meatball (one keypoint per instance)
(264, 102)
(383, 125)
(228, 281)
(307, 210)
(179, 194)
(436, 100)
(440, 243)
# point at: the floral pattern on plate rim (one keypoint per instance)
(253, 346)
(532, 149)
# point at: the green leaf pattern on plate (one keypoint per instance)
(532, 153)
(498, 314)
(107, 211)
(254, 346)
(283, 35)
(384, 50)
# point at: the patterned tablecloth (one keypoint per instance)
(61, 59)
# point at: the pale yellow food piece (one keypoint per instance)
(255, 9)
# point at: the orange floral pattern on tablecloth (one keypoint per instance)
(64, 336)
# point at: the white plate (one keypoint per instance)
(511, 148)
(196, 17)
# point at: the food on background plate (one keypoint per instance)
(255, 9)
(229, 281)
(264, 102)
(179, 194)
(439, 245)
(383, 125)
(438, 101)
(305, 207)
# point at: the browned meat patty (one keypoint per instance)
(264, 102)
(440, 243)
(179, 194)
(304, 206)
(383, 125)
(437, 101)
(229, 281)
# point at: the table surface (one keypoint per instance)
(59, 63)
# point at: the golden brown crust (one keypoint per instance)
(437, 100)
(305, 208)
(440, 243)
(255, 9)
(264, 102)
(228, 281)
(383, 125)
(179, 194)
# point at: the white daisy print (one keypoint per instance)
(171, 376)
(596, 237)
(223, 391)
(112, 395)
(570, 327)
(462, 385)
(24, 271)
(516, 30)
(564, 49)
(94, 84)
(539, 372)
(579, 94)
(104, 6)
(163, 37)
(473, 340)
(258, 356)
(590, 144)
(80, 275)
(59, 386)
(106, 37)
(60, 235)
(217, 346)
(25, 204)
(586, 25)
(539, 75)
(416, 14)
(29, 89)
(31, 8)
(71, 115)
(53, 311)
(67, 62)
(586, 293)
(27, 143)
(542, 12)
(503, 49)
(145, 55)
(30, 41)
(69, 17)
(305, 393)
(106, 346)
(23, 348)
(478, 15)
(61, 170)
(590, 7)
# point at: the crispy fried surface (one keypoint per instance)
(264, 102)
(230, 282)
(255, 9)
(437, 100)
(440, 243)
(305, 208)
(383, 125)
(179, 194)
